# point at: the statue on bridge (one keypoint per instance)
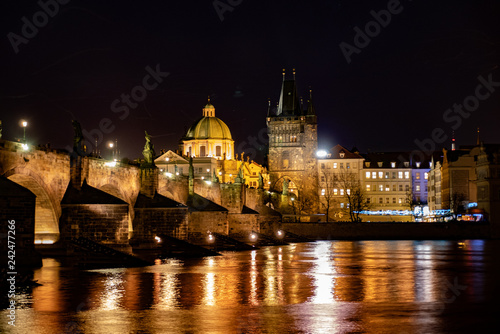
(261, 181)
(149, 151)
(285, 187)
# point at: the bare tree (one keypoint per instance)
(353, 194)
(328, 198)
(456, 203)
(410, 200)
(301, 202)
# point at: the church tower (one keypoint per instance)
(293, 141)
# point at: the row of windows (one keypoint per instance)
(370, 187)
(284, 139)
(337, 192)
(386, 175)
(337, 165)
(417, 176)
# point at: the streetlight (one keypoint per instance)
(24, 124)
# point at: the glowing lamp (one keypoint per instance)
(158, 239)
(321, 154)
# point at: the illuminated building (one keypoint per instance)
(333, 167)
(293, 144)
(209, 136)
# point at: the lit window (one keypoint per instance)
(380, 175)
(407, 175)
(417, 188)
(348, 165)
(380, 187)
(374, 175)
(417, 176)
(348, 191)
(417, 164)
(387, 188)
(400, 175)
(334, 165)
(386, 175)
(393, 164)
(367, 175)
(335, 191)
(342, 205)
(400, 200)
(322, 192)
(367, 187)
(341, 192)
(426, 176)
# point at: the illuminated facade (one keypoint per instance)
(293, 142)
(332, 168)
(387, 181)
(208, 137)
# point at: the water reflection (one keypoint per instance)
(316, 287)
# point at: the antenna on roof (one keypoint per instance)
(453, 142)
(283, 74)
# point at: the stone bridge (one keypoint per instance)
(46, 173)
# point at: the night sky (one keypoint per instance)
(395, 90)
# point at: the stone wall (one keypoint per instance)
(233, 197)
(173, 188)
(200, 222)
(151, 222)
(243, 223)
(105, 223)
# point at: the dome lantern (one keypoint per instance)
(209, 109)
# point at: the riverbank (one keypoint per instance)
(392, 230)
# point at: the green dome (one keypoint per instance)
(209, 128)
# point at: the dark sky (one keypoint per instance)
(395, 90)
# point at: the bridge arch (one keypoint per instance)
(48, 208)
(277, 185)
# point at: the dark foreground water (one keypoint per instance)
(322, 287)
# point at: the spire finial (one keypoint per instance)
(310, 93)
(478, 141)
(293, 74)
(283, 74)
(453, 141)
(208, 98)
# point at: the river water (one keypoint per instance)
(320, 287)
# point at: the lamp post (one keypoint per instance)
(111, 145)
(24, 125)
